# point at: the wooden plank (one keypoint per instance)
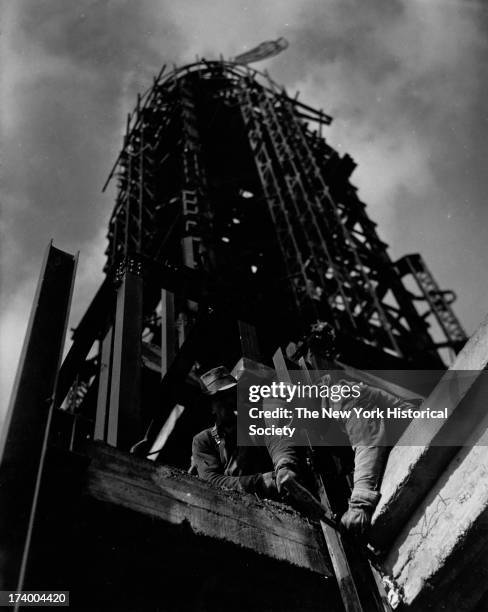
(412, 469)
(339, 556)
(175, 497)
(166, 431)
(252, 372)
(342, 571)
(439, 558)
(333, 540)
(26, 429)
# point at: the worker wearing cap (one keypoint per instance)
(216, 456)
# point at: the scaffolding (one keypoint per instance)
(208, 140)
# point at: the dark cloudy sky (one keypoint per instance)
(404, 79)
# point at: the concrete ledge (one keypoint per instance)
(412, 470)
(440, 557)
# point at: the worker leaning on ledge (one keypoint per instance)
(263, 470)
(368, 439)
(217, 458)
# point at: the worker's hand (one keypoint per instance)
(283, 473)
(357, 520)
(267, 486)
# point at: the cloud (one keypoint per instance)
(13, 324)
(403, 82)
(401, 78)
(70, 73)
(219, 27)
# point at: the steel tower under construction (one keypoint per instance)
(224, 173)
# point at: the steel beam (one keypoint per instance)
(83, 338)
(249, 341)
(104, 385)
(169, 342)
(25, 433)
(124, 418)
(168, 330)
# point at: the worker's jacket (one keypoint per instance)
(368, 436)
(219, 461)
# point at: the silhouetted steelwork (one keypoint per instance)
(236, 235)
(221, 170)
(25, 433)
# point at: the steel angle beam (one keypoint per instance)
(26, 429)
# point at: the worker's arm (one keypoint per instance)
(206, 459)
(369, 441)
(370, 445)
(284, 457)
(282, 452)
(369, 463)
(384, 399)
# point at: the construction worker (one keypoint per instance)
(262, 470)
(368, 439)
(216, 457)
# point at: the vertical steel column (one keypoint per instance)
(124, 418)
(193, 189)
(25, 433)
(168, 330)
(173, 335)
(140, 203)
(249, 341)
(104, 385)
